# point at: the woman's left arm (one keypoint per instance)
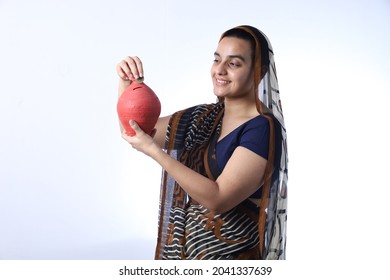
(240, 178)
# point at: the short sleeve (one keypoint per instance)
(255, 137)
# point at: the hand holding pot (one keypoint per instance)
(142, 142)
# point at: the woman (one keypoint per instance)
(224, 187)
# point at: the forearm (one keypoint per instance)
(199, 187)
(236, 183)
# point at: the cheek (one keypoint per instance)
(247, 82)
(212, 70)
(249, 79)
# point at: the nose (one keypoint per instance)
(220, 68)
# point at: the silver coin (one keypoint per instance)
(140, 80)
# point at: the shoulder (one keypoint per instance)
(200, 108)
(256, 124)
(255, 135)
(195, 110)
(197, 115)
(195, 123)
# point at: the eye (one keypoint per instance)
(234, 64)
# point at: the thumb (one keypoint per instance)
(134, 126)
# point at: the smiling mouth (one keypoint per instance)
(221, 82)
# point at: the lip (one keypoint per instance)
(221, 82)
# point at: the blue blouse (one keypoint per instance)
(253, 135)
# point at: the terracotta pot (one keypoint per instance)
(139, 103)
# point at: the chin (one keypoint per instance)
(218, 93)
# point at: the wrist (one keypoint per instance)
(155, 151)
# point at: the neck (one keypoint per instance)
(240, 107)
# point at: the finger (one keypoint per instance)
(124, 70)
(134, 65)
(153, 133)
(135, 126)
(125, 135)
(140, 68)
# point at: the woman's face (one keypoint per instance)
(231, 71)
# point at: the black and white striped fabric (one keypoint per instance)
(235, 233)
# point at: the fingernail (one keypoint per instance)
(140, 80)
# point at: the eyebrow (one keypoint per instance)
(232, 56)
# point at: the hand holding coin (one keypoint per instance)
(130, 69)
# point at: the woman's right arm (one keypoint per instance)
(130, 68)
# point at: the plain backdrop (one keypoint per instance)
(72, 188)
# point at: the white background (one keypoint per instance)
(71, 188)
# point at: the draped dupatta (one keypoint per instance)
(189, 231)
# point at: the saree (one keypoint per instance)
(186, 229)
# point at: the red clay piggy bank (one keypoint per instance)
(139, 103)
